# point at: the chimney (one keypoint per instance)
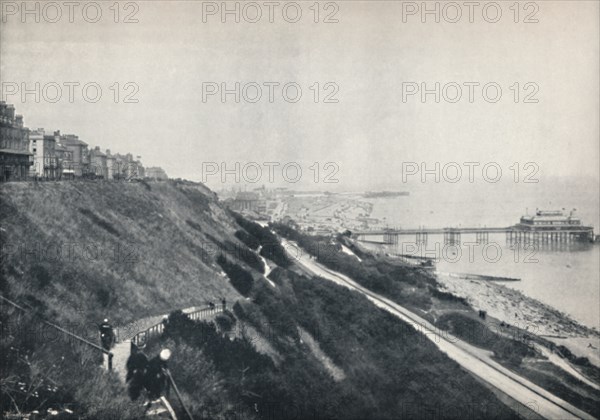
(97, 148)
(19, 121)
(108, 152)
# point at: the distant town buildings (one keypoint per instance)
(98, 164)
(110, 165)
(26, 154)
(154, 172)
(80, 163)
(15, 157)
(36, 147)
(250, 201)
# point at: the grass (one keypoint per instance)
(118, 249)
(475, 332)
(550, 377)
(418, 290)
(389, 368)
(77, 252)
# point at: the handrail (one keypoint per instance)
(83, 340)
(158, 328)
(174, 385)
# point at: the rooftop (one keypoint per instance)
(71, 140)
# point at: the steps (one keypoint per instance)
(160, 409)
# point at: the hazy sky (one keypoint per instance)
(368, 54)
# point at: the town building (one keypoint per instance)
(25, 153)
(250, 201)
(51, 166)
(64, 157)
(36, 147)
(155, 172)
(118, 166)
(15, 157)
(43, 148)
(550, 218)
(98, 163)
(141, 171)
(126, 167)
(80, 163)
(110, 165)
(123, 166)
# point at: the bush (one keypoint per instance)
(240, 278)
(388, 365)
(246, 255)
(250, 241)
(225, 321)
(449, 297)
(271, 248)
(477, 333)
(240, 252)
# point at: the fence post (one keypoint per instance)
(110, 361)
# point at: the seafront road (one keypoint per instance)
(473, 359)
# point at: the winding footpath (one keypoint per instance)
(475, 360)
(159, 408)
(122, 348)
(266, 265)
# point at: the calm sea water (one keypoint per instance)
(566, 278)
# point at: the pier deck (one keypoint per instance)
(519, 233)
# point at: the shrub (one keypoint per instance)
(250, 241)
(477, 333)
(240, 278)
(225, 321)
(271, 247)
(245, 254)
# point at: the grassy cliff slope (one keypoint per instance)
(117, 250)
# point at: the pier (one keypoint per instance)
(544, 227)
(453, 235)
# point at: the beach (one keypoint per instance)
(515, 308)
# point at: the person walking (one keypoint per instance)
(156, 381)
(107, 335)
(137, 365)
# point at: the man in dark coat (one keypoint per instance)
(107, 335)
(156, 380)
(137, 365)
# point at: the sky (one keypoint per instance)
(367, 63)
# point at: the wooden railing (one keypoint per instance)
(179, 397)
(62, 330)
(141, 338)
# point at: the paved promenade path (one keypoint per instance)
(475, 360)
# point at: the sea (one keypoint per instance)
(566, 277)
